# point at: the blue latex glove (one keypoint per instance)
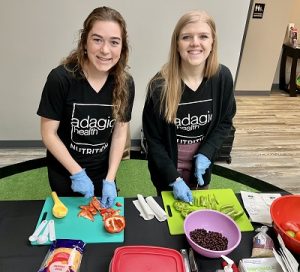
(201, 164)
(109, 193)
(181, 191)
(81, 183)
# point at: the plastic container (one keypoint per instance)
(212, 220)
(146, 258)
(283, 209)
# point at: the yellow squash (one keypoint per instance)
(59, 210)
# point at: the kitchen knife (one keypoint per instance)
(193, 264)
(185, 257)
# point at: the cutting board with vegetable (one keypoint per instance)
(205, 199)
(73, 227)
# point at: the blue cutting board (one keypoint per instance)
(80, 228)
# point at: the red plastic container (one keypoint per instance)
(283, 209)
(146, 258)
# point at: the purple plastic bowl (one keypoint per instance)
(211, 220)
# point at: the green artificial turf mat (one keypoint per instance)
(132, 178)
(28, 185)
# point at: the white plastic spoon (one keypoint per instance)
(34, 236)
(51, 225)
(43, 238)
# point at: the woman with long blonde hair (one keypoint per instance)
(189, 109)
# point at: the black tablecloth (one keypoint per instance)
(18, 220)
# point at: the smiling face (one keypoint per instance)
(103, 46)
(195, 43)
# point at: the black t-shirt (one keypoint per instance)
(86, 120)
(194, 114)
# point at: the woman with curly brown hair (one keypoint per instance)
(85, 108)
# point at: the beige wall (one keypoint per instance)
(262, 48)
(36, 35)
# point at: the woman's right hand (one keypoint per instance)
(81, 183)
(181, 191)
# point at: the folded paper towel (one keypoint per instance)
(143, 207)
(149, 208)
(159, 213)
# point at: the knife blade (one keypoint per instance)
(185, 257)
(193, 264)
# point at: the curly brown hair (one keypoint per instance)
(76, 59)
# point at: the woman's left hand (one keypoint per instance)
(201, 164)
(109, 193)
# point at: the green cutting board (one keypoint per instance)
(80, 228)
(224, 197)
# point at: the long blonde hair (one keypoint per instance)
(75, 61)
(170, 72)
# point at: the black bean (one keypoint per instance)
(209, 239)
